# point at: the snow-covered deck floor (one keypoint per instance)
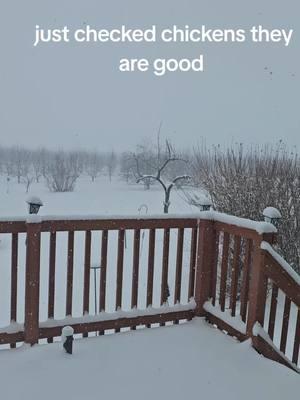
(192, 360)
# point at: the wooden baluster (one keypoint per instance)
(104, 245)
(193, 255)
(285, 324)
(87, 273)
(70, 266)
(14, 280)
(179, 258)
(246, 280)
(178, 274)
(135, 269)
(235, 274)
(165, 269)
(273, 310)
(214, 275)
(120, 260)
(297, 340)
(51, 283)
(151, 257)
(224, 269)
(103, 271)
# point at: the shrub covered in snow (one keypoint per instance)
(244, 181)
(62, 172)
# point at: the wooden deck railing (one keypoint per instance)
(152, 271)
(242, 273)
(281, 323)
(110, 237)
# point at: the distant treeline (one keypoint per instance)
(241, 180)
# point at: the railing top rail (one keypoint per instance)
(281, 261)
(117, 224)
(13, 226)
(282, 273)
(94, 217)
(224, 222)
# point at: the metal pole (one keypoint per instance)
(95, 268)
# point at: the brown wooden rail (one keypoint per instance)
(241, 273)
(275, 276)
(32, 332)
(226, 268)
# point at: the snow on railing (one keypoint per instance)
(235, 322)
(104, 316)
(259, 226)
(258, 330)
(281, 261)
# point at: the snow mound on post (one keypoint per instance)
(34, 200)
(272, 212)
(67, 331)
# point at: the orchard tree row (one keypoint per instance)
(59, 169)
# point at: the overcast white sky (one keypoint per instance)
(73, 96)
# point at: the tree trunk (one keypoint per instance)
(167, 202)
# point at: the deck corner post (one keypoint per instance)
(258, 285)
(32, 284)
(206, 249)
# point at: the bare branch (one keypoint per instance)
(155, 178)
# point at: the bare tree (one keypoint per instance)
(111, 164)
(163, 160)
(24, 166)
(39, 163)
(7, 163)
(94, 164)
(19, 158)
(27, 179)
(143, 164)
(126, 172)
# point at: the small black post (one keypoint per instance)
(67, 338)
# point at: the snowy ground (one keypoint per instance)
(192, 360)
(100, 197)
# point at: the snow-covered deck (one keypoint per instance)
(191, 360)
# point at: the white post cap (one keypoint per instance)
(67, 331)
(272, 213)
